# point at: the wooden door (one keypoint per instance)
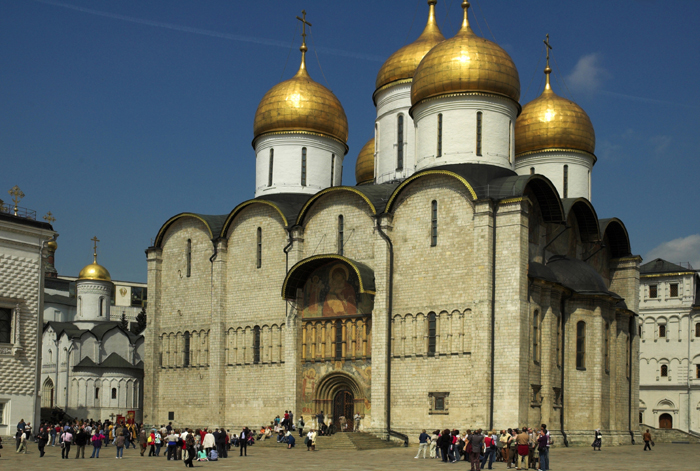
(665, 421)
(343, 406)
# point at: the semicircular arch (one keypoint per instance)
(425, 173)
(334, 189)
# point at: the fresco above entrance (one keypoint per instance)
(333, 290)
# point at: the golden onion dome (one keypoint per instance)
(553, 122)
(364, 167)
(95, 272)
(302, 105)
(465, 63)
(402, 64)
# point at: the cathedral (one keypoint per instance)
(466, 280)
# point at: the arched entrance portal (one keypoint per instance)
(665, 421)
(339, 396)
(343, 410)
(47, 394)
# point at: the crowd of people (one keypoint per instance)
(523, 448)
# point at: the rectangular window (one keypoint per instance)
(433, 224)
(341, 234)
(269, 171)
(303, 166)
(256, 345)
(439, 135)
(171, 415)
(399, 144)
(697, 374)
(581, 345)
(258, 256)
(479, 118)
(332, 169)
(674, 290)
(566, 181)
(432, 324)
(5, 325)
(440, 403)
(697, 329)
(189, 257)
(652, 291)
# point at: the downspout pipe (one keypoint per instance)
(390, 299)
(492, 392)
(287, 248)
(562, 312)
(632, 330)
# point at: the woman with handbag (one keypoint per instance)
(66, 440)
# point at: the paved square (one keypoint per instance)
(668, 457)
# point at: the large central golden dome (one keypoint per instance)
(465, 63)
(553, 122)
(302, 105)
(402, 64)
(364, 167)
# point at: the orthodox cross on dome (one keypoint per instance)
(17, 196)
(547, 70)
(303, 48)
(465, 6)
(94, 240)
(49, 218)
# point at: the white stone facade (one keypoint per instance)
(669, 325)
(21, 306)
(391, 102)
(570, 171)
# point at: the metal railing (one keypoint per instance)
(19, 211)
(400, 436)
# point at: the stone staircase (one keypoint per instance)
(353, 441)
(672, 435)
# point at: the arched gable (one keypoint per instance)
(586, 217)
(469, 189)
(236, 211)
(298, 274)
(618, 238)
(212, 225)
(318, 196)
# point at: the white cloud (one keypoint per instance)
(588, 74)
(683, 249)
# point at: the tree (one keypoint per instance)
(141, 322)
(123, 323)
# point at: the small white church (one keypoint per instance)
(92, 366)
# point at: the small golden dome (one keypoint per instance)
(94, 271)
(300, 104)
(52, 245)
(552, 122)
(465, 63)
(402, 64)
(364, 167)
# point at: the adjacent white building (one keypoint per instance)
(23, 240)
(669, 326)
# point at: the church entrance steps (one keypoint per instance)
(670, 435)
(353, 441)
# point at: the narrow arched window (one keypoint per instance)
(432, 334)
(341, 234)
(338, 339)
(697, 329)
(479, 119)
(114, 393)
(271, 166)
(664, 370)
(581, 345)
(186, 351)
(510, 141)
(258, 250)
(332, 169)
(662, 331)
(189, 257)
(532, 170)
(399, 143)
(607, 347)
(566, 181)
(433, 224)
(439, 135)
(536, 336)
(101, 303)
(256, 344)
(97, 393)
(303, 166)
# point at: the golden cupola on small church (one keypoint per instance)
(300, 135)
(466, 87)
(555, 137)
(393, 129)
(93, 290)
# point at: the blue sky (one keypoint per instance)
(116, 115)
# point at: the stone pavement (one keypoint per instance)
(668, 457)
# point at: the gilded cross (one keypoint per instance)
(49, 218)
(546, 43)
(304, 23)
(17, 196)
(94, 240)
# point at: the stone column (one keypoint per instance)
(292, 333)
(151, 393)
(217, 336)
